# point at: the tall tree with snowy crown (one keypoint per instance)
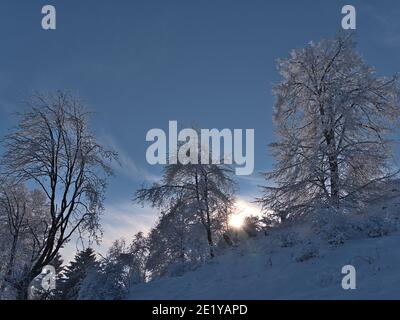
(333, 114)
(208, 190)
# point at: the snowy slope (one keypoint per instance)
(300, 262)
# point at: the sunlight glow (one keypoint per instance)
(243, 209)
(236, 221)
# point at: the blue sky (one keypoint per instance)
(139, 64)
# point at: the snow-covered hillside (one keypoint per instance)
(302, 261)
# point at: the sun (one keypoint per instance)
(236, 221)
(243, 209)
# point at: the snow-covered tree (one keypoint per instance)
(177, 238)
(23, 222)
(38, 292)
(74, 274)
(128, 261)
(138, 251)
(251, 225)
(57, 263)
(207, 190)
(103, 283)
(14, 217)
(333, 115)
(123, 267)
(53, 148)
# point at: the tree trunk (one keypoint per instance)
(329, 134)
(210, 241)
(334, 177)
(208, 227)
(333, 168)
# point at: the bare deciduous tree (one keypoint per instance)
(23, 218)
(53, 148)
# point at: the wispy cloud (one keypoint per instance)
(126, 165)
(120, 220)
(124, 220)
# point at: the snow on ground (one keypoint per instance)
(299, 262)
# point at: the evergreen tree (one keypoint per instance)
(76, 272)
(57, 263)
(123, 267)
